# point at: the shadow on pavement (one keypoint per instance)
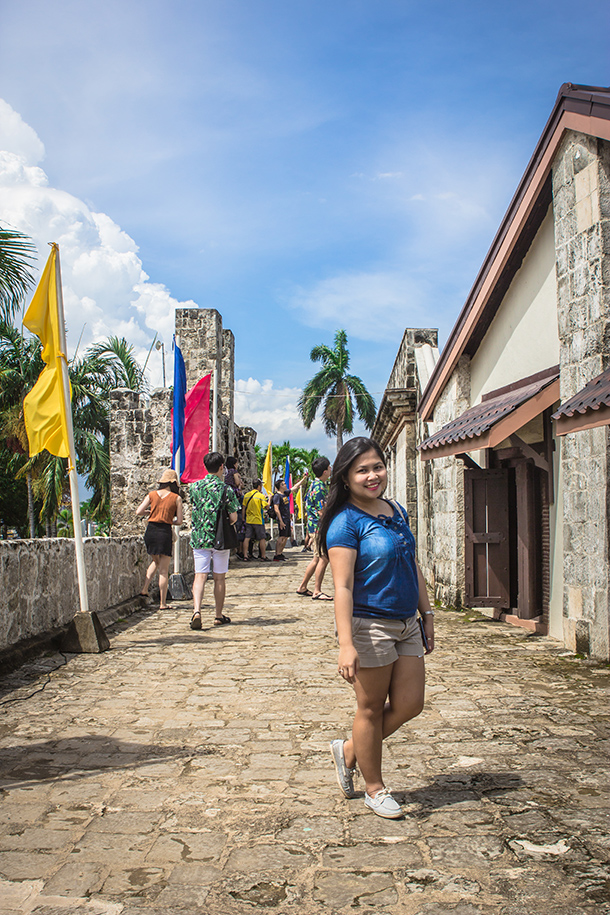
(79, 756)
(447, 790)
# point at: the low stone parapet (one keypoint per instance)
(40, 588)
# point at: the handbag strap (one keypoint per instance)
(400, 511)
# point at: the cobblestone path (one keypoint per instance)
(189, 772)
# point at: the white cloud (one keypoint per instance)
(370, 306)
(106, 291)
(273, 413)
(19, 137)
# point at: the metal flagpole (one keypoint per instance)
(78, 533)
(177, 586)
(177, 459)
(215, 412)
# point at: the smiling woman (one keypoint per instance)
(379, 594)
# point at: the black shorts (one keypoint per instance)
(255, 530)
(158, 539)
(284, 531)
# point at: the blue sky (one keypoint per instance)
(300, 166)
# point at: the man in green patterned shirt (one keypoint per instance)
(206, 496)
(315, 500)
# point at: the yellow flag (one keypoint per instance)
(44, 407)
(299, 502)
(267, 472)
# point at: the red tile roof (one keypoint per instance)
(587, 408)
(468, 429)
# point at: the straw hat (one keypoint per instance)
(168, 476)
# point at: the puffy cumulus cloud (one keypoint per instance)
(273, 413)
(106, 290)
(370, 306)
(19, 137)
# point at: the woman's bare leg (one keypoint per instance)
(164, 562)
(371, 687)
(405, 694)
(150, 574)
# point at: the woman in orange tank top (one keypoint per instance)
(164, 508)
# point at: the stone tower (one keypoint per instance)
(141, 428)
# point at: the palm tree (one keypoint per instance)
(334, 390)
(17, 254)
(20, 365)
(103, 367)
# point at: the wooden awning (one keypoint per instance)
(587, 409)
(500, 415)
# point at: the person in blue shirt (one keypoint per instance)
(380, 597)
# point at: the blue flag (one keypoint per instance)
(287, 473)
(179, 406)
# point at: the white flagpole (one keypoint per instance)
(78, 533)
(215, 412)
(177, 459)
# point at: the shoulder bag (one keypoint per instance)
(226, 536)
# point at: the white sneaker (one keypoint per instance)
(384, 805)
(345, 776)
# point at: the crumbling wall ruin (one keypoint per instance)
(141, 428)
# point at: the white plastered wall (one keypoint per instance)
(523, 339)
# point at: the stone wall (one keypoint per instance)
(443, 561)
(140, 448)
(199, 331)
(141, 429)
(581, 192)
(245, 440)
(40, 586)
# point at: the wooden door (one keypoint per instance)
(486, 508)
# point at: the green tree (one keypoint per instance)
(17, 256)
(65, 523)
(102, 368)
(334, 390)
(301, 459)
(20, 365)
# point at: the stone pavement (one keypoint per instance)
(189, 772)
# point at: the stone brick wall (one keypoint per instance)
(140, 448)
(141, 429)
(405, 468)
(40, 586)
(443, 558)
(245, 440)
(201, 341)
(581, 192)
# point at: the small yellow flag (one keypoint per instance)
(44, 407)
(299, 503)
(267, 472)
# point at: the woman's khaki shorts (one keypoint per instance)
(380, 642)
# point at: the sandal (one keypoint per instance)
(305, 593)
(221, 620)
(196, 620)
(321, 596)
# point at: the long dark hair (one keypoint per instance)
(338, 493)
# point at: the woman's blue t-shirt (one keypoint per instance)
(385, 574)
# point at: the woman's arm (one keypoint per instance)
(237, 479)
(342, 562)
(425, 609)
(143, 507)
(179, 512)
